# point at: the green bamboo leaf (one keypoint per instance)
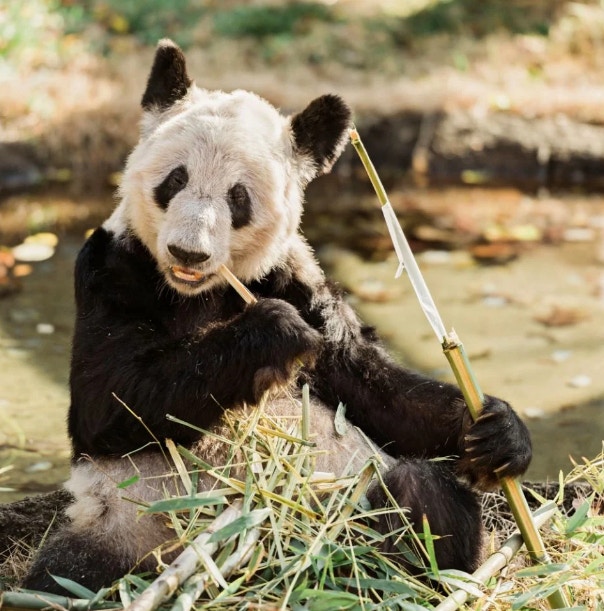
(230, 590)
(227, 549)
(521, 600)
(542, 570)
(74, 588)
(249, 520)
(138, 583)
(429, 545)
(579, 517)
(328, 600)
(194, 459)
(184, 503)
(128, 482)
(382, 585)
(254, 561)
(594, 566)
(99, 597)
(540, 593)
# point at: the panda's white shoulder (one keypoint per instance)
(117, 223)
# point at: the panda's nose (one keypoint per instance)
(187, 257)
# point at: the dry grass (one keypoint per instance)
(14, 564)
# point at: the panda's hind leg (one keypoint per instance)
(428, 488)
(107, 537)
(78, 557)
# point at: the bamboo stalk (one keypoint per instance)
(196, 584)
(18, 601)
(497, 561)
(186, 563)
(458, 359)
(460, 365)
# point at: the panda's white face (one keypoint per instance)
(217, 178)
(213, 183)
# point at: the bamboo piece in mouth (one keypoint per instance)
(243, 291)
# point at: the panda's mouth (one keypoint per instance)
(187, 275)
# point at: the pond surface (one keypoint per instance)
(552, 374)
(35, 342)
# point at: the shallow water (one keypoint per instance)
(492, 308)
(34, 365)
(552, 375)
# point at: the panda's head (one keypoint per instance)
(218, 178)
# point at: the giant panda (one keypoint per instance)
(218, 178)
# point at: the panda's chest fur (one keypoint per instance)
(164, 310)
(186, 315)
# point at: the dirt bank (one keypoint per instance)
(508, 94)
(458, 148)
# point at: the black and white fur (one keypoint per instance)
(215, 179)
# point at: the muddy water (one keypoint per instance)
(35, 337)
(551, 374)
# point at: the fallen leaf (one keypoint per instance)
(33, 252)
(22, 269)
(45, 237)
(497, 252)
(560, 316)
(6, 258)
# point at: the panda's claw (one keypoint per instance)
(502, 468)
(496, 445)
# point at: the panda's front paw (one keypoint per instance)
(290, 343)
(497, 445)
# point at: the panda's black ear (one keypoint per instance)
(320, 130)
(168, 81)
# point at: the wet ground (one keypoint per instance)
(533, 328)
(35, 336)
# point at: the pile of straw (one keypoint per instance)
(287, 537)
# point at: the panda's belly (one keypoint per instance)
(340, 452)
(98, 497)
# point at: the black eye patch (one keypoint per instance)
(240, 205)
(174, 182)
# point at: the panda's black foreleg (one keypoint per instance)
(412, 415)
(193, 378)
(428, 488)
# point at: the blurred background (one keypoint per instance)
(484, 119)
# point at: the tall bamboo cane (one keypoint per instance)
(460, 364)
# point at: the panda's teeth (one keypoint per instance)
(186, 274)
